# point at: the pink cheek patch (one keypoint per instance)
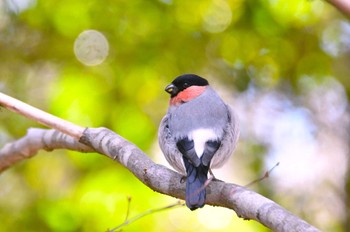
(187, 95)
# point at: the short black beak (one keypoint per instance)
(171, 89)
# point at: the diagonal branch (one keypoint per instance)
(40, 116)
(342, 5)
(35, 140)
(247, 204)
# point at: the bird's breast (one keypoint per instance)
(187, 95)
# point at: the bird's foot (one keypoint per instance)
(183, 179)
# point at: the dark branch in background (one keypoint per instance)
(247, 204)
(342, 5)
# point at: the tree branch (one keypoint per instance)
(342, 5)
(40, 116)
(35, 140)
(247, 204)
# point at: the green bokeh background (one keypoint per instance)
(237, 43)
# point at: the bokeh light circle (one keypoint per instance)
(91, 47)
(217, 18)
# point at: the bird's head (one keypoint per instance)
(185, 88)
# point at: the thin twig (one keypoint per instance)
(266, 175)
(128, 209)
(148, 212)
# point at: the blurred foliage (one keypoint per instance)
(272, 45)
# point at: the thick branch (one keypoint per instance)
(35, 140)
(247, 204)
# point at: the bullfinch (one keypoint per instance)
(198, 133)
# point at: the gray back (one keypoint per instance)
(206, 111)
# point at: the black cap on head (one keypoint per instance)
(184, 81)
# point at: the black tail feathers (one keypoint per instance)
(195, 185)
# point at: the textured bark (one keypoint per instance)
(247, 204)
(35, 140)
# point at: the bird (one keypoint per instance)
(198, 133)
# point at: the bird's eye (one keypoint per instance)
(186, 85)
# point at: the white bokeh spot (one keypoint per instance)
(91, 47)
